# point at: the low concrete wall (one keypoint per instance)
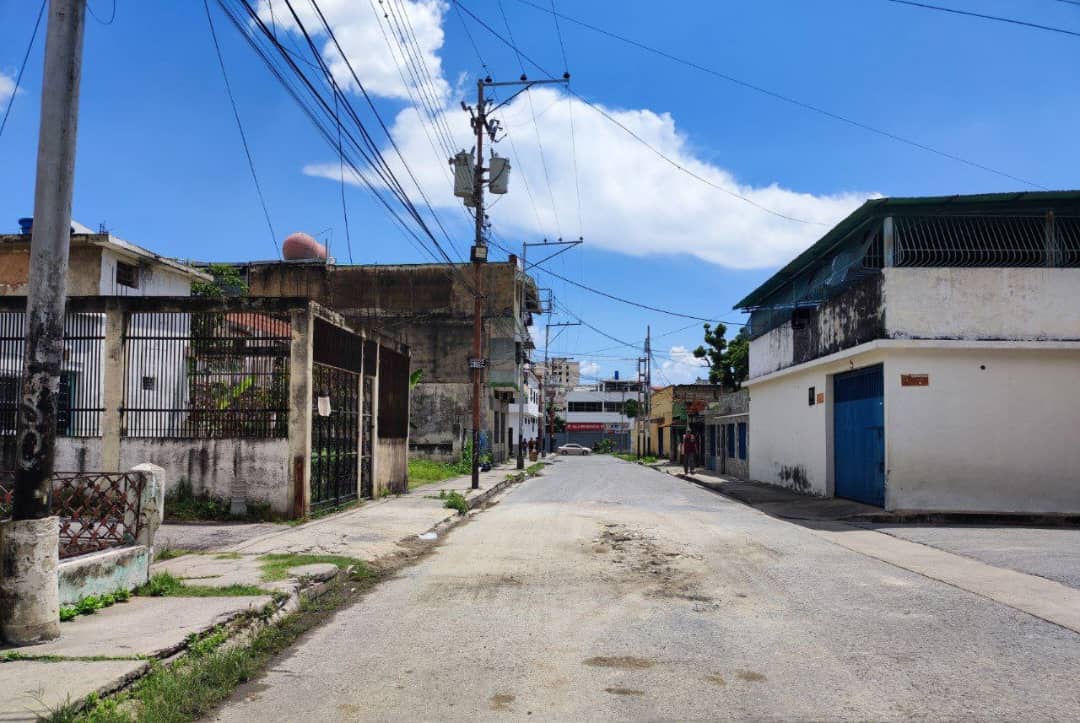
(78, 454)
(257, 468)
(103, 572)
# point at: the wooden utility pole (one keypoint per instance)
(479, 256)
(29, 600)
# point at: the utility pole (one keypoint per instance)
(549, 417)
(29, 600)
(525, 266)
(483, 126)
(648, 388)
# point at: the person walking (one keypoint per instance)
(689, 451)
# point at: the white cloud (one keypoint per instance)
(632, 201)
(369, 38)
(7, 90)
(589, 369)
(681, 367)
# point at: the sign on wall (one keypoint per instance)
(914, 380)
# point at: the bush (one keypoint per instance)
(456, 501)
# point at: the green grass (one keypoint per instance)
(647, 459)
(534, 469)
(228, 556)
(170, 553)
(164, 584)
(424, 472)
(276, 566)
(90, 604)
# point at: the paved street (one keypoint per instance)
(603, 590)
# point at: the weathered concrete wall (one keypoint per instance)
(392, 465)
(439, 415)
(84, 269)
(103, 572)
(994, 431)
(154, 280)
(998, 303)
(215, 466)
(854, 317)
(78, 454)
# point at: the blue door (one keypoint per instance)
(859, 435)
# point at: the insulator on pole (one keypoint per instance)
(500, 174)
(464, 174)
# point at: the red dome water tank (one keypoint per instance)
(301, 247)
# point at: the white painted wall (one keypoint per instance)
(791, 441)
(1004, 438)
(997, 303)
(154, 279)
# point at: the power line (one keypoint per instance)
(786, 99)
(341, 171)
(634, 135)
(22, 66)
(983, 16)
(240, 127)
(112, 15)
(570, 110)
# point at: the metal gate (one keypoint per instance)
(367, 485)
(859, 435)
(335, 437)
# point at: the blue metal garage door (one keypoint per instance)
(859, 435)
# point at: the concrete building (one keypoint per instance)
(527, 423)
(674, 407)
(430, 307)
(597, 412)
(726, 439)
(100, 264)
(924, 355)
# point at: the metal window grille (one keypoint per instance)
(986, 241)
(218, 374)
(742, 440)
(335, 438)
(80, 400)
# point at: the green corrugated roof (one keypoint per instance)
(1027, 201)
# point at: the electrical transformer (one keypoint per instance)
(500, 174)
(464, 174)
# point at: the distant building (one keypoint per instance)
(924, 355)
(597, 412)
(526, 424)
(674, 408)
(725, 442)
(430, 307)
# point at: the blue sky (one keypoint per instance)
(160, 161)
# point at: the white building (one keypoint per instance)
(924, 355)
(528, 424)
(598, 411)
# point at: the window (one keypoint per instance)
(731, 441)
(149, 384)
(616, 407)
(127, 275)
(742, 440)
(584, 406)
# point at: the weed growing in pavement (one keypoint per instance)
(170, 553)
(164, 584)
(276, 566)
(91, 604)
(456, 501)
(191, 688)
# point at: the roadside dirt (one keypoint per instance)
(660, 568)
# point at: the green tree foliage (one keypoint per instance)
(227, 282)
(630, 409)
(729, 362)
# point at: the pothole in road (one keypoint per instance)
(624, 662)
(652, 564)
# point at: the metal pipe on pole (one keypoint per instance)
(29, 599)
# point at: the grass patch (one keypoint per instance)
(647, 459)
(456, 501)
(193, 686)
(228, 556)
(276, 566)
(91, 604)
(171, 553)
(185, 505)
(534, 469)
(425, 471)
(164, 584)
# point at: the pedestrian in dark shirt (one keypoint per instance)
(689, 452)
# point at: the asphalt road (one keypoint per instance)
(606, 591)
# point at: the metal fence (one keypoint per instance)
(987, 241)
(207, 374)
(80, 402)
(97, 510)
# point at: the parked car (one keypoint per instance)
(574, 448)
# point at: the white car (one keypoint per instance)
(574, 448)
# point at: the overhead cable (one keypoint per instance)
(22, 66)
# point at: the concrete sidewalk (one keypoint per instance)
(103, 652)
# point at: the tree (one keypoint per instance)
(729, 363)
(227, 282)
(630, 409)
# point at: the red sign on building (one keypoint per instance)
(584, 427)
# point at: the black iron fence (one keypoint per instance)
(207, 374)
(80, 399)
